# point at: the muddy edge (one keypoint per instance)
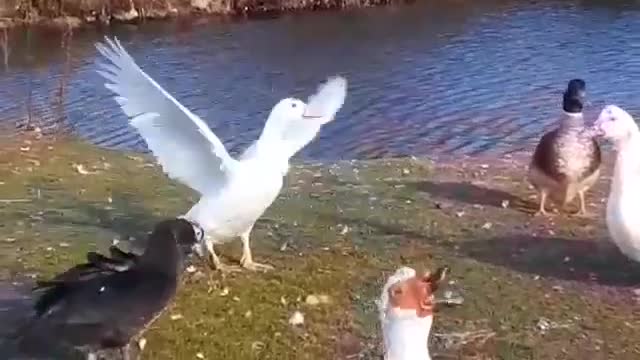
(77, 13)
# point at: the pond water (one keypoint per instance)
(456, 77)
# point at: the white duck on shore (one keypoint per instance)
(406, 313)
(234, 193)
(623, 205)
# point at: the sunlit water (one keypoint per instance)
(459, 77)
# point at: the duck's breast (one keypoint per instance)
(623, 221)
(236, 207)
(579, 155)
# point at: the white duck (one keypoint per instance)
(234, 193)
(623, 206)
(406, 313)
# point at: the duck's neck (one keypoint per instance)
(270, 149)
(627, 166)
(573, 119)
(163, 256)
(406, 337)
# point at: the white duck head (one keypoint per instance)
(406, 313)
(615, 124)
(292, 123)
(282, 114)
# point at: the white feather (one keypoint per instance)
(185, 147)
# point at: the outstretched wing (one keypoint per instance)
(185, 147)
(321, 108)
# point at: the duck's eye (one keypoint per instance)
(294, 105)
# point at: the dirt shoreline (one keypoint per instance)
(76, 13)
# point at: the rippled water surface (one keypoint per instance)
(456, 77)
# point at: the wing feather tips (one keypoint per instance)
(337, 86)
(113, 51)
(121, 100)
(112, 87)
(109, 41)
(337, 82)
(137, 120)
(108, 76)
(108, 52)
(328, 98)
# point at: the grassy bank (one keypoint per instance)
(533, 288)
(79, 12)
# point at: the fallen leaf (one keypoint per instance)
(312, 300)
(296, 319)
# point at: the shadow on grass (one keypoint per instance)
(125, 217)
(383, 233)
(577, 260)
(15, 307)
(471, 194)
(16, 312)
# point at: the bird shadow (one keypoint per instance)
(375, 225)
(16, 311)
(592, 261)
(15, 306)
(588, 261)
(469, 193)
(129, 220)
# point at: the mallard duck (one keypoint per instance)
(234, 193)
(406, 313)
(623, 205)
(566, 161)
(99, 307)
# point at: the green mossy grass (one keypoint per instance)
(533, 288)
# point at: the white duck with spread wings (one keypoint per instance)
(234, 192)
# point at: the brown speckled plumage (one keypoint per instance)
(566, 146)
(566, 161)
